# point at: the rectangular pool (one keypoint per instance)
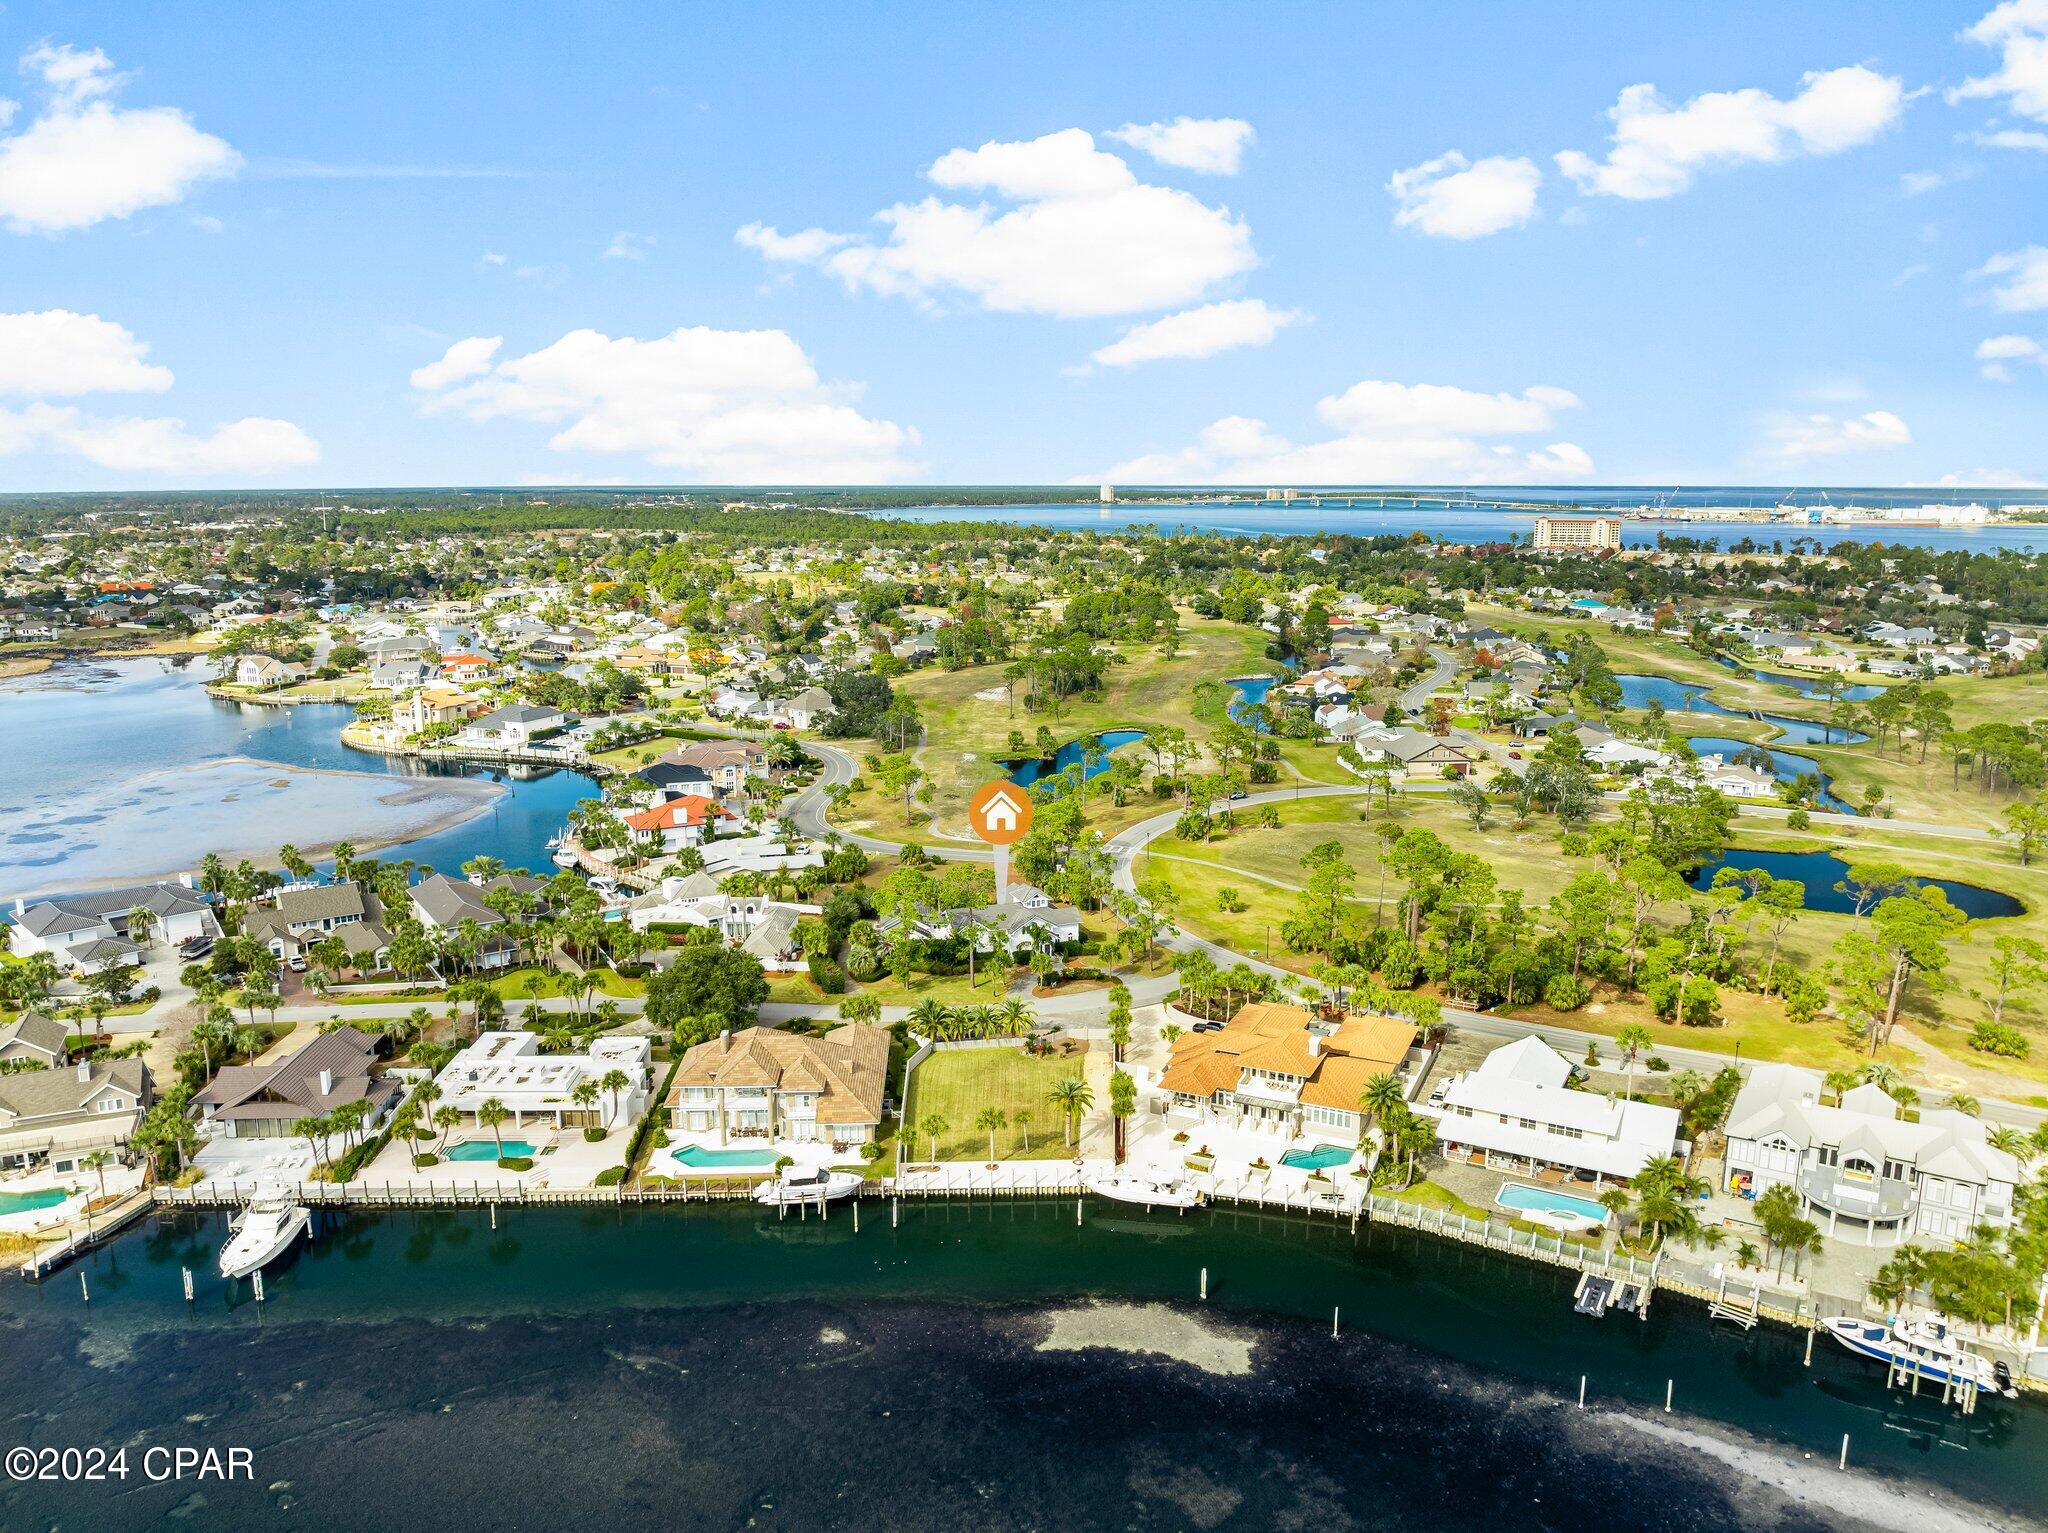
(1321, 1158)
(728, 1160)
(1541, 1200)
(487, 1149)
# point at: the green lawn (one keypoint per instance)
(958, 1083)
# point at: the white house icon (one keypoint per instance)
(1000, 813)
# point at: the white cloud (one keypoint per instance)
(721, 405)
(2018, 29)
(1917, 183)
(1987, 479)
(82, 159)
(2025, 284)
(1658, 148)
(1994, 352)
(1387, 433)
(2013, 138)
(492, 258)
(1814, 436)
(1199, 332)
(131, 444)
(1452, 197)
(628, 246)
(1087, 239)
(56, 353)
(806, 247)
(1212, 145)
(465, 359)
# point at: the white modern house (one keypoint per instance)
(512, 727)
(539, 1089)
(1516, 1112)
(1864, 1162)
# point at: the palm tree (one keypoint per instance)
(988, 1120)
(929, 1016)
(614, 1082)
(98, 1161)
(1070, 1094)
(313, 1128)
(492, 1115)
(931, 1126)
(1022, 1118)
(445, 1119)
(1017, 1015)
(585, 1095)
(1383, 1097)
(1632, 1040)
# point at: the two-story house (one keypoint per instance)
(56, 1118)
(1865, 1161)
(763, 1083)
(1518, 1111)
(1279, 1069)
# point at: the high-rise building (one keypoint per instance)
(1591, 532)
(1108, 493)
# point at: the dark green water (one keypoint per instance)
(575, 1333)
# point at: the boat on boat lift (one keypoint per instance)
(797, 1187)
(261, 1233)
(1922, 1345)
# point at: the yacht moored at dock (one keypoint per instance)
(1922, 1346)
(1151, 1192)
(261, 1233)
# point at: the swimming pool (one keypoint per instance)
(1321, 1158)
(1541, 1200)
(487, 1149)
(729, 1160)
(22, 1202)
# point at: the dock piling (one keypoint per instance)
(1845, 1452)
(1668, 1386)
(1582, 1391)
(188, 1283)
(1809, 1348)
(1336, 1313)
(83, 1292)
(259, 1285)
(1205, 1283)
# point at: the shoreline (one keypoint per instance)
(483, 796)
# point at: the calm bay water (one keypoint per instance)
(93, 728)
(1458, 519)
(714, 1367)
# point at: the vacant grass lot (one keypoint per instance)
(957, 1084)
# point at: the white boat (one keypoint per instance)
(261, 1233)
(1152, 1192)
(562, 856)
(1924, 1345)
(797, 1186)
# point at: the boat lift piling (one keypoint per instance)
(258, 1275)
(1336, 1313)
(1582, 1391)
(1205, 1285)
(83, 1292)
(187, 1271)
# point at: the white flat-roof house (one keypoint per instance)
(510, 1068)
(1863, 1161)
(1517, 1112)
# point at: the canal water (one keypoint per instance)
(93, 728)
(1638, 691)
(1821, 871)
(718, 1367)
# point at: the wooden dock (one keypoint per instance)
(47, 1259)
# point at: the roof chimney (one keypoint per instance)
(326, 1083)
(1315, 1045)
(85, 1072)
(725, 1037)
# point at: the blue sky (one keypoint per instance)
(1745, 243)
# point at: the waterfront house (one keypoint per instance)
(1517, 1111)
(1274, 1068)
(33, 1038)
(763, 1083)
(265, 1101)
(513, 727)
(435, 705)
(1866, 1162)
(263, 672)
(88, 932)
(56, 1118)
(539, 1088)
(686, 820)
(399, 675)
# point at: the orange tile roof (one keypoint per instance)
(689, 809)
(1271, 1036)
